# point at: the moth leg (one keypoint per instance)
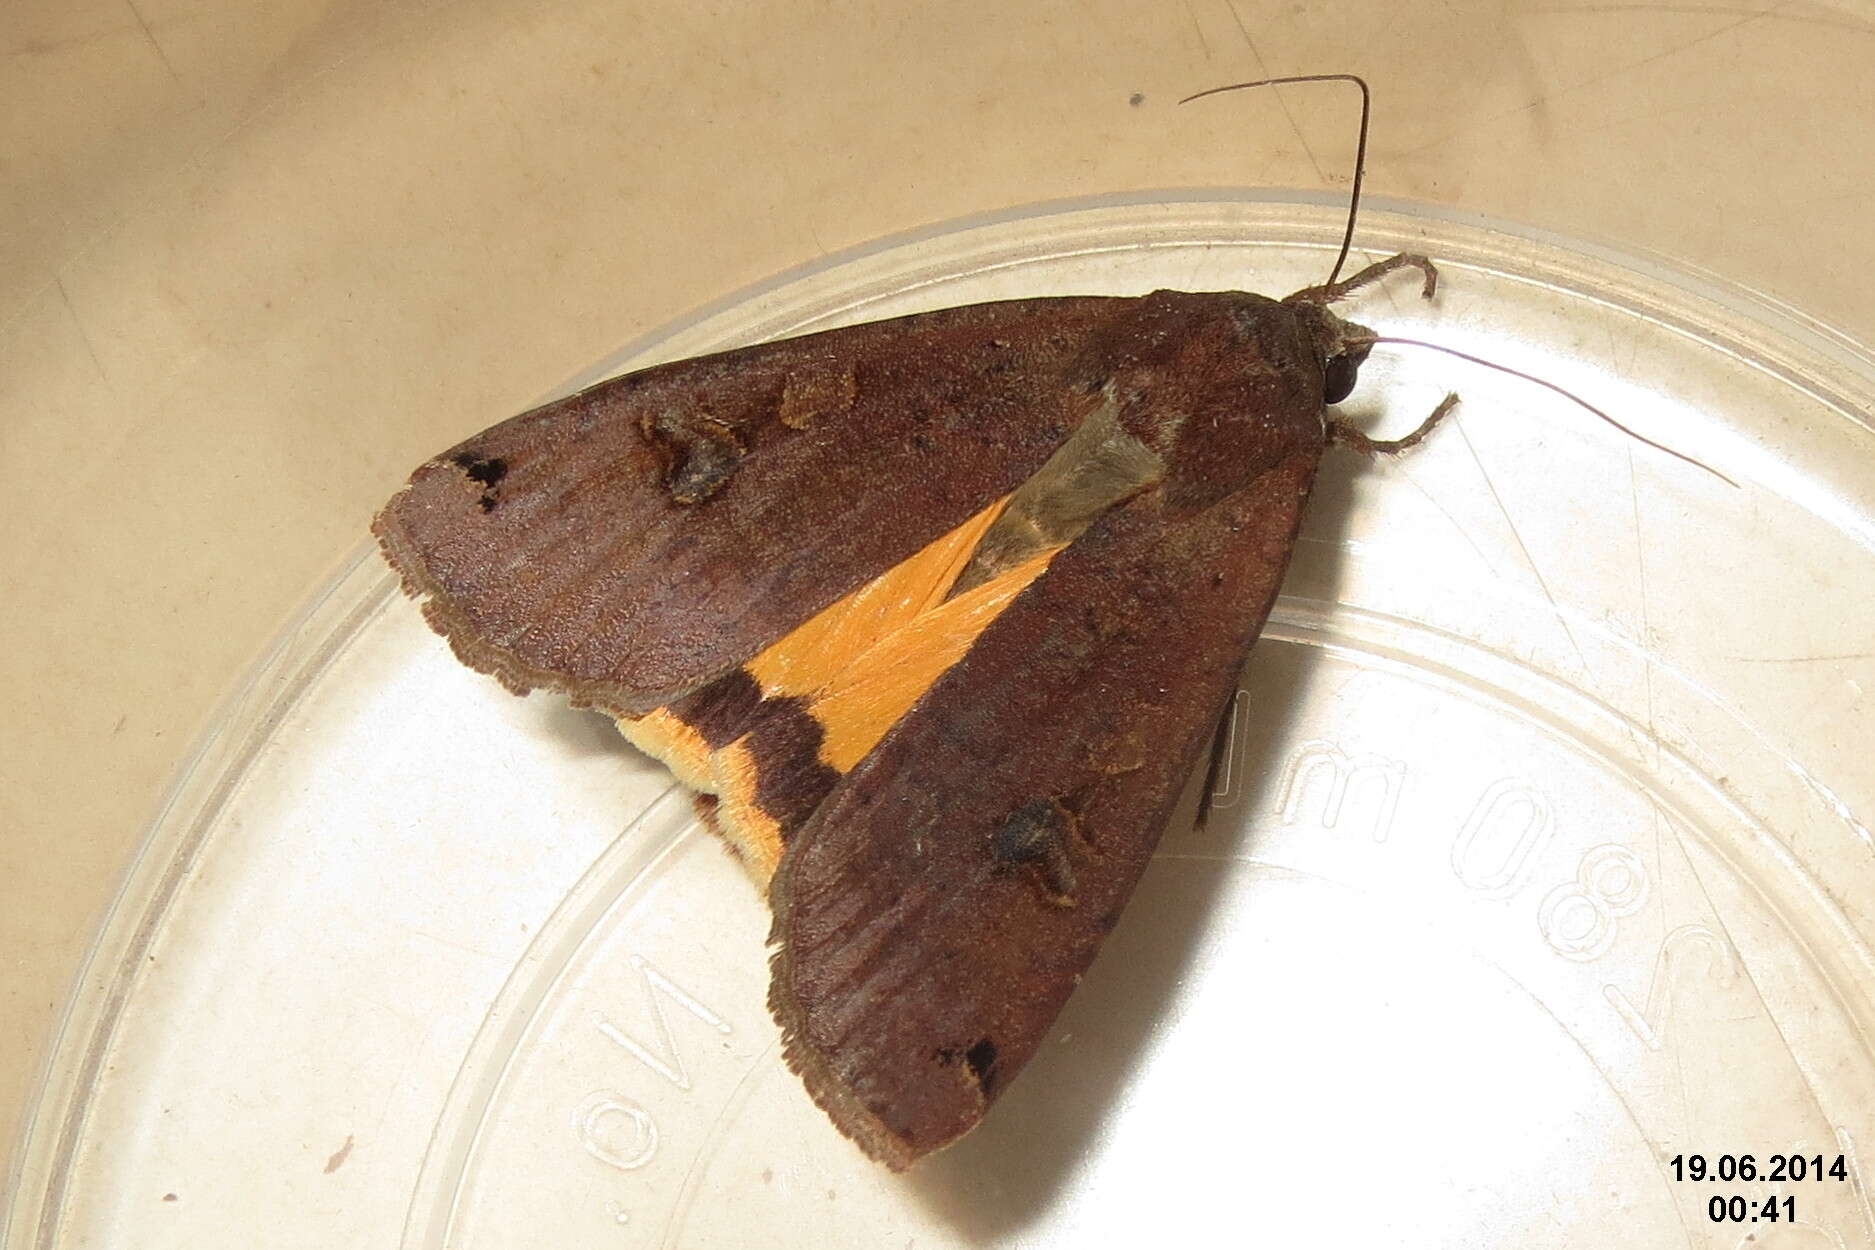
(1341, 432)
(1336, 291)
(1220, 747)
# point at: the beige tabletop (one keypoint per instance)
(256, 261)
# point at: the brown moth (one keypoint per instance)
(936, 613)
(940, 610)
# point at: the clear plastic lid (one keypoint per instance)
(1536, 862)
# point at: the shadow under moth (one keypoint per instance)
(936, 614)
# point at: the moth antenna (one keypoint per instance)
(1360, 146)
(1548, 385)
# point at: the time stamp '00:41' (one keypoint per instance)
(1772, 1170)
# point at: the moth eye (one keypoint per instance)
(1338, 377)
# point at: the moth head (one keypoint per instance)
(1341, 346)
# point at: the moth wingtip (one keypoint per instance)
(398, 551)
(444, 616)
(833, 1095)
(399, 542)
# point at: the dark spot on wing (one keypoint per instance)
(485, 470)
(1041, 836)
(698, 452)
(981, 1060)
